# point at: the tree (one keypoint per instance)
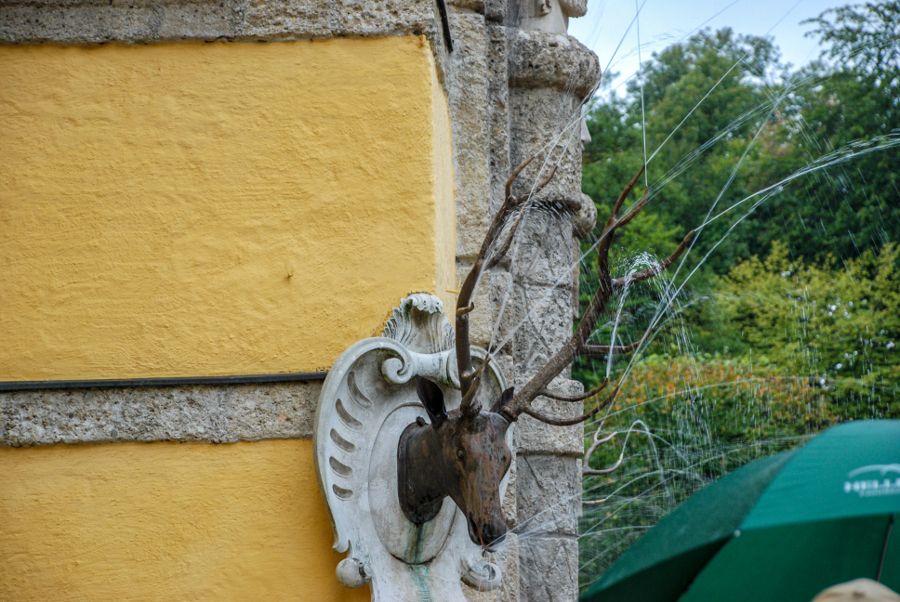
(862, 38)
(733, 121)
(853, 96)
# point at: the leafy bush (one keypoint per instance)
(808, 346)
(707, 415)
(838, 327)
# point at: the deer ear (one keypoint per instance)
(432, 398)
(504, 399)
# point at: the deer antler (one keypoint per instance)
(577, 343)
(468, 381)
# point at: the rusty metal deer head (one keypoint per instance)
(463, 453)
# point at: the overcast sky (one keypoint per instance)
(663, 22)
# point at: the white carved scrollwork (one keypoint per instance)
(368, 399)
(419, 324)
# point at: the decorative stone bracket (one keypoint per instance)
(367, 401)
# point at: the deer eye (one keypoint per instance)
(461, 453)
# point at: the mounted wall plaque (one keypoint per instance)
(368, 401)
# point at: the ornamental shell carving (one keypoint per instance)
(419, 324)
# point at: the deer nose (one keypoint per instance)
(493, 534)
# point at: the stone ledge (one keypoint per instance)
(215, 413)
(139, 21)
(578, 205)
(544, 60)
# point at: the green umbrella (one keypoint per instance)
(779, 529)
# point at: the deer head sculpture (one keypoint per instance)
(463, 454)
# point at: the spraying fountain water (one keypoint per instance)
(687, 416)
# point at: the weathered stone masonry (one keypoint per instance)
(515, 83)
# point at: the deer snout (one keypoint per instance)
(489, 534)
(494, 534)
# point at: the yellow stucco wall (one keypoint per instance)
(166, 521)
(213, 209)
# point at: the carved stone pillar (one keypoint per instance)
(550, 76)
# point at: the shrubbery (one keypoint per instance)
(807, 347)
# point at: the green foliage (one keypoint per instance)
(851, 95)
(853, 206)
(696, 158)
(709, 415)
(863, 37)
(812, 346)
(839, 327)
(725, 120)
(793, 323)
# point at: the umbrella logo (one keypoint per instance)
(877, 480)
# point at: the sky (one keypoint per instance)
(664, 22)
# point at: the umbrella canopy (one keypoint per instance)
(782, 528)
